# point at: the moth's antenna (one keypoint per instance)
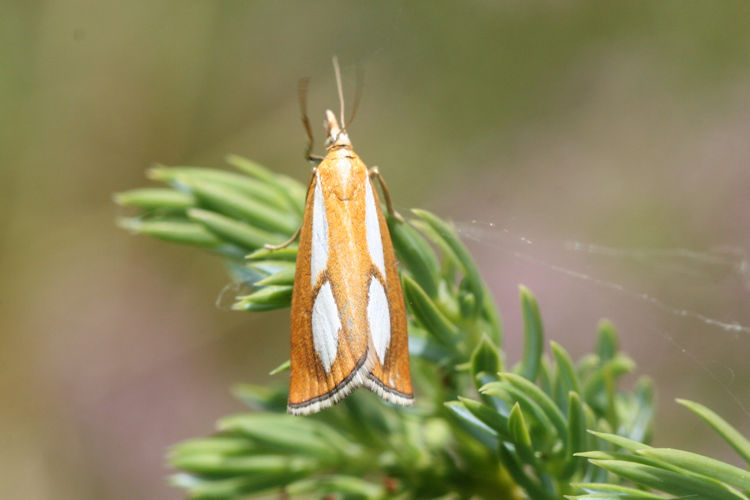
(302, 90)
(357, 92)
(341, 90)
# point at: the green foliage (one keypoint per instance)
(549, 428)
(676, 472)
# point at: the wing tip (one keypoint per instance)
(360, 376)
(388, 394)
(357, 378)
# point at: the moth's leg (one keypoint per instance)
(374, 172)
(296, 233)
(286, 243)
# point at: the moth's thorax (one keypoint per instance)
(343, 172)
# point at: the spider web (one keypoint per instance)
(681, 313)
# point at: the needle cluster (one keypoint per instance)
(544, 428)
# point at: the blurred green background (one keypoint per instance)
(538, 127)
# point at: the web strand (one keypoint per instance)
(739, 268)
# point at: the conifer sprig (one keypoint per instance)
(546, 428)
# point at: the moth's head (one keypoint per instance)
(336, 137)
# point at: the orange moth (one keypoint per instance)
(348, 321)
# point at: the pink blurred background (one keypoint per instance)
(618, 124)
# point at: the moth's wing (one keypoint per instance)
(327, 363)
(390, 377)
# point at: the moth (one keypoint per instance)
(348, 319)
